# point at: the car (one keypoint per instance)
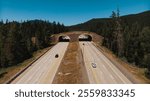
(93, 65)
(56, 56)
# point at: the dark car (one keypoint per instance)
(56, 56)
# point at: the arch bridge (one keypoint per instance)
(76, 36)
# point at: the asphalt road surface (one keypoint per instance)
(105, 72)
(45, 68)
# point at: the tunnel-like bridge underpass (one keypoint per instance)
(85, 38)
(72, 38)
(76, 36)
(64, 39)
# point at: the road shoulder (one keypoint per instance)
(134, 73)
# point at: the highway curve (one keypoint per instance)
(105, 72)
(45, 68)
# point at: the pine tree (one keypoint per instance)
(117, 41)
(145, 46)
(119, 34)
(16, 42)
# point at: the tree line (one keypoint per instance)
(128, 36)
(128, 41)
(18, 40)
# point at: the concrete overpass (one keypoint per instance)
(74, 36)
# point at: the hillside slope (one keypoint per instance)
(141, 18)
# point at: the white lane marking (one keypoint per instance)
(112, 67)
(37, 71)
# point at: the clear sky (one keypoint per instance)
(69, 12)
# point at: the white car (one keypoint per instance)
(93, 65)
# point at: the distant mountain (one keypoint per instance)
(142, 18)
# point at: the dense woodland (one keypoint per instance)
(18, 40)
(127, 36)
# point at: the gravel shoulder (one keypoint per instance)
(135, 74)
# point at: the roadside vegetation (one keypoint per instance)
(130, 42)
(128, 37)
(7, 73)
(19, 40)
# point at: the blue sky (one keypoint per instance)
(69, 12)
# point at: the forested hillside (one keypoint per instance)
(99, 25)
(19, 40)
(127, 36)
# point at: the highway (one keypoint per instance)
(45, 68)
(105, 72)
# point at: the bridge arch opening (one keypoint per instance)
(83, 37)
(64, 39)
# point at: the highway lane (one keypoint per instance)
(45, 68)
(105, 72)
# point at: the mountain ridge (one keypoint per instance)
(141, 18)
